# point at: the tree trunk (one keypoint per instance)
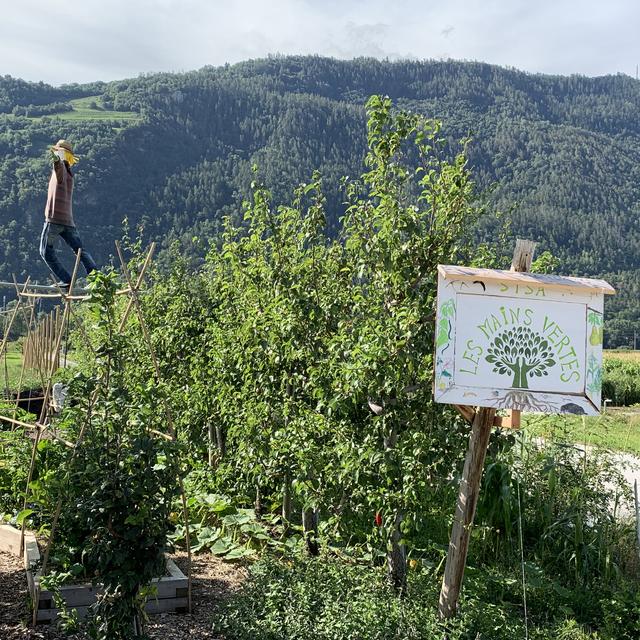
(286, 502)
(211, 432)
(396, 552)
(220, 439)
(397, 557)
(310, 528)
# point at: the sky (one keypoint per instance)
(64, 41)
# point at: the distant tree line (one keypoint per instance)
(34, 110)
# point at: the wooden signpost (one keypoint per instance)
(511, 340)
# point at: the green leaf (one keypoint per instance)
(221, 546)
(25, 513)
(239, 552)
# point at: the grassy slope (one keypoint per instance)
(623, 354)
(83, 110)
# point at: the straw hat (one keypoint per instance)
(63, 144)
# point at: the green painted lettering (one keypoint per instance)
(527, 317)
(554, 333)
(567, 376)
(474, 348)
(572, 364)
(569, 354)
(485, 328)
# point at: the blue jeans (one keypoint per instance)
(50, 232)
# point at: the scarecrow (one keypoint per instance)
(58, 215)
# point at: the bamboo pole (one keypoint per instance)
(7, 331)
(41, 420)
(46, 335)
(637, 504)
(18, 423)
(56, 516)
(36, 441)
(134, 290)
(43, 416)
(57, 328)
(35, 427)
(75, 447)
(9, 326)
(147, 337)
(6, 368)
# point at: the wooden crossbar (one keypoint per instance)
(79, 294)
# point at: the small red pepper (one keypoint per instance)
(378, 519)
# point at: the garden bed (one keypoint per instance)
(171, 594)
(213, 581)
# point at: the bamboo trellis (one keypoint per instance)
(42, 352)
(39, 346)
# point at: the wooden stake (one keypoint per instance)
(43, 415)
(135, 302)
(471, 476)
(9, 325)
(94, 396)
(134, 290)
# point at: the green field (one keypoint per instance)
(92, 108)
(10, 369)
(622, 354)
(618, 429)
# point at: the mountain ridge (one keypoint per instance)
(562, 152)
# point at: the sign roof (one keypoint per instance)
(452, 272)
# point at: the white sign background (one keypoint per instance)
(482, 319)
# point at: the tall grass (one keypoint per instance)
(621, 381)
(617, 430)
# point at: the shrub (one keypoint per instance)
(117, 485)
(328, 599)
(621, 381)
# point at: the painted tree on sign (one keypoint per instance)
(521, 352)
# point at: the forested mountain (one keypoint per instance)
(173, 152)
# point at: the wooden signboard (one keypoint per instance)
(510, 340)
(522, 341)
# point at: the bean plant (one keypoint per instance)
(116, 487)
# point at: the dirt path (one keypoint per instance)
(212, 581)
(13, 602)
(629, 465)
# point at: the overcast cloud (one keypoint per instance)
(61, 41)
